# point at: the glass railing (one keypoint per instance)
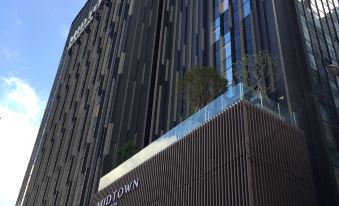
(220, 104)
(211, 110)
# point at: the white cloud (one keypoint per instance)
(9, 54)
(20, 112)
(16, 18)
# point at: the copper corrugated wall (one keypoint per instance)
(280, 170)
(244, 156)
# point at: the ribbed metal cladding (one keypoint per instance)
(244, 156)
(278, 159)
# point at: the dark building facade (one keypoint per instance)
(115, 84)
(117, 76)
(318, 27)
(303, 37)
(243, 156)
(310, 46)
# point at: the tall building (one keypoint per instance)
(318, 27)
(303, 37)
(115, 84)
(315, 93)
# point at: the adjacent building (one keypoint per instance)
(116, 83)
(303, 37)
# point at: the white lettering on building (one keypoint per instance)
(83, 25)
(110, 200)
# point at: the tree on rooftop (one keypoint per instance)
(126, 151)
(257, 71)
(199, 86)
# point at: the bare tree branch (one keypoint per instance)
(258, 71)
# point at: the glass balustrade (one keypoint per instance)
(231, 96)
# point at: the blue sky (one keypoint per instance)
(32, 37)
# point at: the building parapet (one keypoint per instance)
(232, 96)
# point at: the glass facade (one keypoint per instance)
(236, 23)
(232, 27)
(320, 27)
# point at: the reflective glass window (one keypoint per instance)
(237, 42)
(238, 55)
(217, 22)
(248, 34)
(225, 4)
(308, 46)
(336, 101)
(228, 63)
(217, 45)
(324, 114)
(335, 157)
(229, 76)
(329, 135)
(249, 47)
(312, 61)
(228, 49)
(247, 8)
(336, 172)
(227, 37)
(235, 5)
(217, 34)
(217, 57)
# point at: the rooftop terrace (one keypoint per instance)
(230, 97)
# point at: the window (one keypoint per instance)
(227, 37)
(228, 63)
(248, 33)
(335, 157)
(217, 57)
(324, 114)
(329, 135)
(308, 46)
(249, 46)
(336, 101)
(247, 8)
(224, 5)
(305, 29)
(229, 76)
(217, 34)
(336, 172)
(312, 61)
(217, 22)
(228, 49)
(316, 20)
(332, 53)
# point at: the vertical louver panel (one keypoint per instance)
(244, 156)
